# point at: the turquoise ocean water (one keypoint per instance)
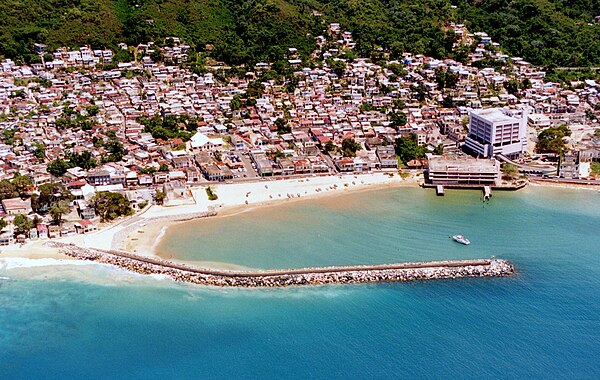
(89, 321)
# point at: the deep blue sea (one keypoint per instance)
(90, 321)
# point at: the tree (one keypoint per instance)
(7, 190)
(595, 169)
(512, 86)
(255, 89)
(49, 193)
(397, 69)
(212, 196)
(57, 167)
(350, 147)
(110, 206)
(83, 160)
(282, 126)
(58, 209)
(420, 92)
(439, 150)
(22, 184)
(407, 148)
(398, 119)
(159, 197)
(22, 224)
(399, 104)
(39, 151)
(115, 149)
(3, 224)
(448, 102)
(92, 110)
(236, 103)
(589, 114)
(338, 67)
(552, 140)
(366, 107)
(445, 78)
(509, 171)
(330, 146)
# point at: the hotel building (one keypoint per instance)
(496, 131)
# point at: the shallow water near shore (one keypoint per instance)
(94, 322)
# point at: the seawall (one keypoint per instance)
(292, 277)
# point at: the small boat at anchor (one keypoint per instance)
(460, 239)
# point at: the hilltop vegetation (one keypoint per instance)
(545, 32)
(548, 32)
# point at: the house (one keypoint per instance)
(179, 162)
(98, 177)
(344, 164)
(53, 232)
(201, 142)
(6, 238)
(145, 180)
(16, 206)
(42, 230)
(264, 167)
(192, 174)
(568, 166)
(213, 172)
(177, 194)
(387, 157)
(160, 177)
(85, 226)
(85, 212)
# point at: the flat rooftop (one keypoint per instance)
(443, 164)
(495, 115)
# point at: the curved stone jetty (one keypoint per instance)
(293, 277)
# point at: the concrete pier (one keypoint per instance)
(293, 277)
(487, 193)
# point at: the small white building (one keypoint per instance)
(201, 142)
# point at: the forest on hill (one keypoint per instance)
(545, 32)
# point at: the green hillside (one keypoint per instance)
(549, 32)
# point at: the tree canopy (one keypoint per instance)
(548, 32)
(110, 206)
(350, 147)
(407, 148)
(552, 140)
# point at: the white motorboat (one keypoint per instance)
(461, 239)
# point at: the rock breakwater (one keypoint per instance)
(294, 277)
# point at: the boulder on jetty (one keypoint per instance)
(293, 277)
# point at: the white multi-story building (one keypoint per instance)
(496, 131)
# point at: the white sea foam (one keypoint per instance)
(24, 262)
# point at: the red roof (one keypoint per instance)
(75, 184)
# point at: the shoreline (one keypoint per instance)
(564, 185)
(147, 238)
(142, 233)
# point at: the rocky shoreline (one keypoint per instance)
(294, 277)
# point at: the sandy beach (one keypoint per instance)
(242, 197)
(141, 233)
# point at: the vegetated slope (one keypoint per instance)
(543, 31)
(546, 32)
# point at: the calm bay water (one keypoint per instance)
(94, 322)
